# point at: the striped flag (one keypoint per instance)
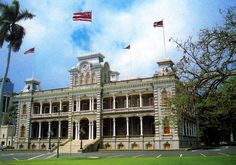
(82, 16)
(30, 51)
(158, 24)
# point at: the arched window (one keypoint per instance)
(80, 79)
(167, 146)
(76, 80)
(83, 77)
(24, 107)
(166, 125)
(22, 131)
(94, 77)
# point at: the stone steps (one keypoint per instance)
(74, 146)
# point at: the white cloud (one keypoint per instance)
(113, 26)
(136, 26)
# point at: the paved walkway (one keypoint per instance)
(29, 155)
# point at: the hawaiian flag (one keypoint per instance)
(158, 24)
(82, 16)
(127, 47)
(30, 51)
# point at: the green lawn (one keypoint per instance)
(231, 160)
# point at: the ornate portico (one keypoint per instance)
(127, 114)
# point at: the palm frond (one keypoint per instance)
(3, 33)
(18, 35)
(16, 6)
(3, 6)
(24, 15)
(10, 31)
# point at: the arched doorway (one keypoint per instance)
(84, 128)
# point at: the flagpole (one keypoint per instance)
(33, 63)
(130, 61)
(164, 40)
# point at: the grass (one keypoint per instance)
(231, 160)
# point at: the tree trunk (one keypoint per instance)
(3, 82)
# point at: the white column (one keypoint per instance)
(49, 129)
(141, 126)
(114, 127)
(60, 108)
(90, 104)
(114, 101)
(59, 129)
(89, 130)
(40, 124)
(41, 107)
(127, 101)
(50, 107)
(140, 100)
(92, 130)
(30, 131)
(78, 104)
(127, 126)
(76, 130)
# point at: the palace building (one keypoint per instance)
(103, 111)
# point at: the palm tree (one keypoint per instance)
(12, 33)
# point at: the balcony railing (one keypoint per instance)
(43, 115)
(144, 108)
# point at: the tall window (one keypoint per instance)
(22, 131)
(24, 107)
(166, 125)
(94, 78)
(83, 77)
(76, 80)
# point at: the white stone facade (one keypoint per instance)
(7, 135)
(127, 114)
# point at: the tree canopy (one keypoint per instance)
(207, 73)
(210, 60)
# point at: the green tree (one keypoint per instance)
(210, 60)
(12, 33)
(9, 117)
(205, 71)
(217, 114)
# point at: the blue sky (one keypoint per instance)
(58, 40)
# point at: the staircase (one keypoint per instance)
(74, 146)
